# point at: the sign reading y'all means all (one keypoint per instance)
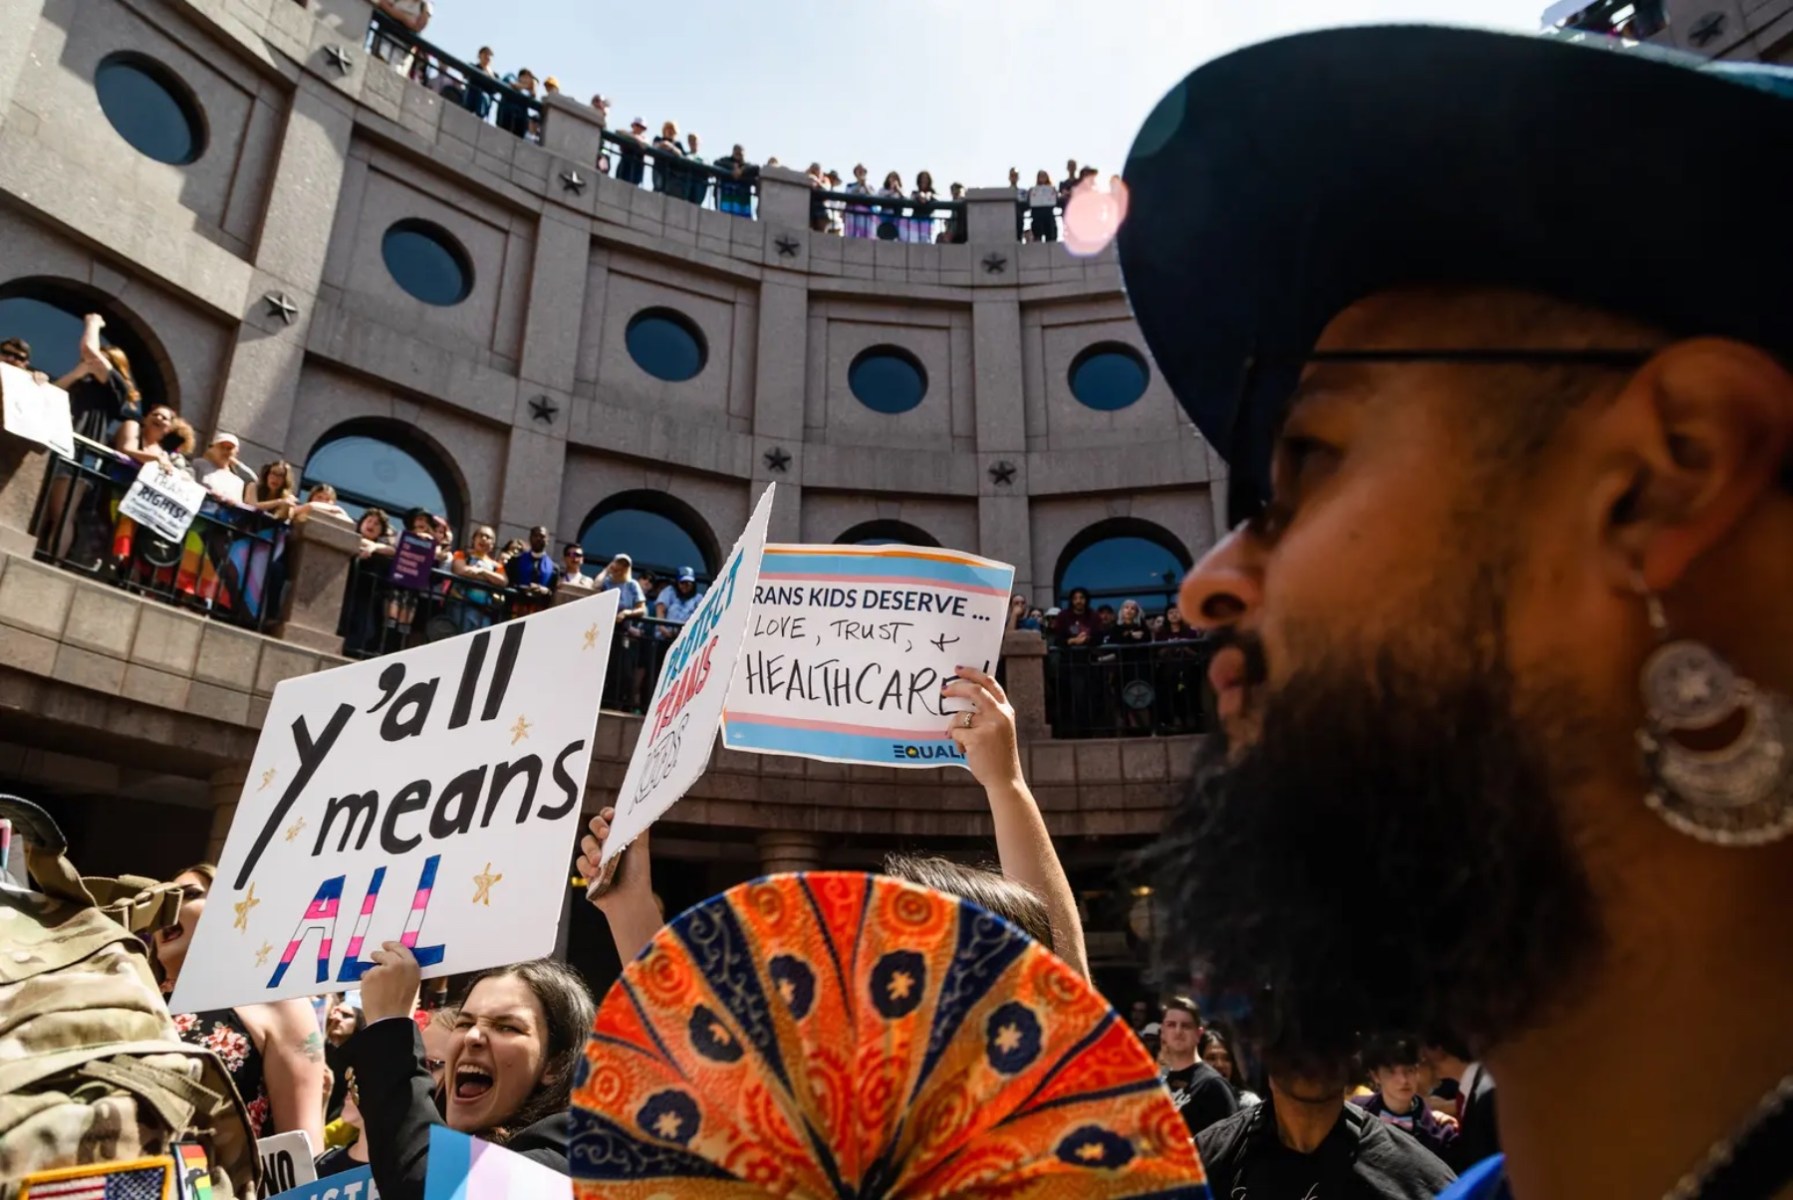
(849, 646)
(430, 797)
(680, 730)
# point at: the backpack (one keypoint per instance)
(91, 1068)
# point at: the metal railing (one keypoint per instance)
(886, 218)
(230, 565)
(459, 82)
(1153, 688)
(731, 190)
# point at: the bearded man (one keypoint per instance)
(1492, 333)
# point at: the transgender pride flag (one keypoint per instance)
(465, 1168)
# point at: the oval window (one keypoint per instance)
(427, 262)
(1109, 377)
(887, 379)
(666, 344)
(150, 108)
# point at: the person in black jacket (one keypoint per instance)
(1480, 1131)
(509, 1076)
(1202, 1097)
(1305, 1141)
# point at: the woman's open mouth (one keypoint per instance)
(470, 1083)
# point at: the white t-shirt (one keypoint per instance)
(220, 481)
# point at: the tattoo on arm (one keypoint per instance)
(313, 1047)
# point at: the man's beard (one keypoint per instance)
(1387, 854)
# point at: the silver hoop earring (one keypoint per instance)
(1740, 794)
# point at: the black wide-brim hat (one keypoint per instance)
(1278, 185)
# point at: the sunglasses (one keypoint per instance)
(14, 357)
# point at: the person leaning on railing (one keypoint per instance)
(471, 607)
(272, 491)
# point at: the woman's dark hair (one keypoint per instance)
(568, 1007)
(378, 514)
(1013, 902)
(286, 479)
(1077, 591)
(411, 517)
(1390, 1050)
(1210, 1038)
(924, 182)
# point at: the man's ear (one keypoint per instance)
(1686, 449)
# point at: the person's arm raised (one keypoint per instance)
(627, 898)
(1023, 845)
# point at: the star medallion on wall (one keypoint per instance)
(995, 264)
(1002, 474)
(243, 906)
(787, 245)
(573, 182)
(1707, 29)
(281, 305)
(339, 58)
(778, 460)
(543, 409)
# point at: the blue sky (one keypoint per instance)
(962, 88)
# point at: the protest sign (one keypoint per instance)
(430, 797)
(412, 561)
(849, 646)
(37, 412)
(163, 501)
(286, 1162)
(463, 1167)
(356, 1183)
(680, 730)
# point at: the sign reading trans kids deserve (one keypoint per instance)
(849, 646)
(430, 798)
(680, 730)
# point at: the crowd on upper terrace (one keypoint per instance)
(671, 161)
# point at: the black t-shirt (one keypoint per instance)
(1361, 1159)
(98, 409)
(1201, 1095)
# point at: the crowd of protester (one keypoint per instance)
(854, 209)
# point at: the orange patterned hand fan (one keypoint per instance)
(833, 1035)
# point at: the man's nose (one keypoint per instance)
(1225, 587)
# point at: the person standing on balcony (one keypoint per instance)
(413, 16)
(920, 225)
(221, 471)
(1068, 184)
(859, 215)
(680, 598)
(572, 567)
(734, 195)
(475, 607)
(476, 95)
(533, 574)
(956, 232)
(631, 166)
(1020, 202)
(628, 670)
(669, 166)
(697, 180)
(1040, 201)
(513, 109)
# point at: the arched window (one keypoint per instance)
(1123, 559)
(47, 314)
(657, 531)
(886, 533)
(384, 464)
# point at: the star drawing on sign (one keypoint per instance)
(573, 182)
(1008, 1038)
(243, 906)
(900, 985)
(995, 264)
(520, 730)
(281, 305)
(668, 1125)
(543, 409)
(1002, 473)
(482, 883)
(261, 956)
(778, 459)
(787, 245)
(942, 642)
(267, 777)
(591, 637)
(296, 828)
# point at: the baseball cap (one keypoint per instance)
(1278, 185)
(622, 558)
(634, 121)
(687, 575)
(223, 438)
(551, 82)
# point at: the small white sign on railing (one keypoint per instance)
(37, 412)
(164, 501)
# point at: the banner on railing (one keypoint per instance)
(680, 729)
(850, 645)
(163, 501)
(430, 798)
(37, 412)
(412, 561)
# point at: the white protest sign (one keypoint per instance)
(430, 798)
(849, 646)
(286, 1162)
(680, 730)
(37, 412)
(163, 501)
